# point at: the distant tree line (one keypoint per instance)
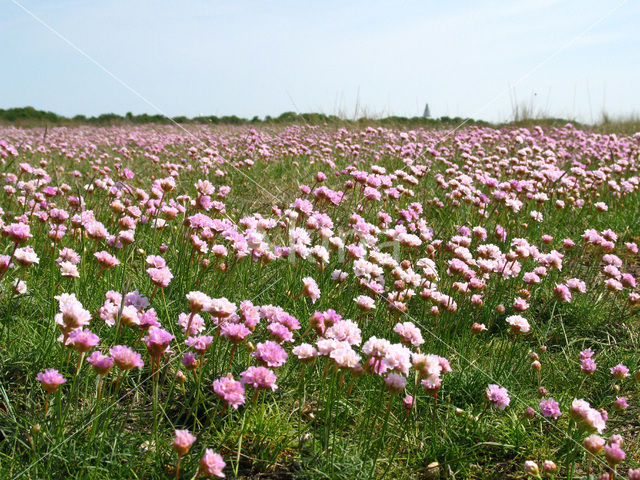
(29, 116)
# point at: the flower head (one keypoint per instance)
(498, 396)
(270, 353)
(212, 464)
(550, 408)
(518, 324)
(101, 363)
(259, 377)
(229, 390)
(199, 343)
(614, 454)
(157, 341)
(51, 380)
(125, 358)
(619, 371)
(82, 340)
(183, 441)
(310, 289)
(594, 444)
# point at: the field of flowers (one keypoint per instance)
(319, 302)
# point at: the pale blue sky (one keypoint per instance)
(466, 58)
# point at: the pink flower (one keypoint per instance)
(198, 301)
(183, 441)
(259, 377)
(344, 331)
(409, 334)
(620, 404)
(200, 343)
(531, 468)
(614, 454)
(562, 292)
(478, 327)
(365, 303)
(588, 365)
(587, 417)
(613, 285)
(235, 332)
(229, 390)
(148, 319)
(619, 372)
(520, 304)
(69, 255)
(498, 396)
(408, 402)
(550, 408)
(17, 232)
(594, 444)
(518, 324)
(26, 256)
(310, 289)
(50, 380)
(280, 333)
(197, 323)
(160, 277)
(577, 285)
(69, 270)
(398, 358)
(157, 341)
(156, 261)
(82, 340)
(106, 260)
(212, 464)
(271, 354)
(344, 356)
(305, 352)
(221, 307)
(549, 467)
(101, 363)
(190, 361)
(125, 358)
(72, 314)
(628, 280)
(395, 383)
(587, 353)
(5, 264)
(601, 206)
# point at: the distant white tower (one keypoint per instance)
(427, 112)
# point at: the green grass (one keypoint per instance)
(326, 423)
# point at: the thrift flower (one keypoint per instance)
(550, 408)
(125, 358)
(619, 372)
(101, 363)
(183, 441)
(50, 380)
(614, 454)
(518, 324)
(157, 341)
(270, 353)
(212, 464)
(498, 396)
(82, 340)
(229, 390)
(259, 377)
(310, 289)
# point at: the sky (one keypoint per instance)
(478, 59)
